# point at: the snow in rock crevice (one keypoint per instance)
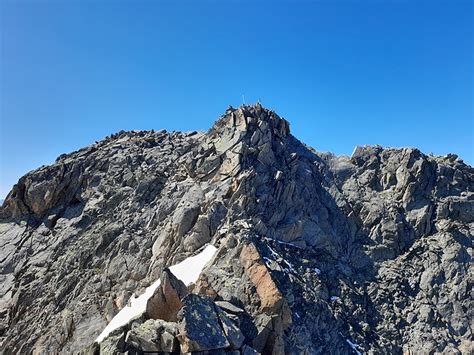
(187, 271)
(354, 346)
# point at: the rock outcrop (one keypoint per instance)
(153, 336)
(168, 299)
(316, 254)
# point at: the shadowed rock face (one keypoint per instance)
(316, 253)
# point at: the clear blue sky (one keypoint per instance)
(395, 73)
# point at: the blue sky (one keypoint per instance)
(395, 73)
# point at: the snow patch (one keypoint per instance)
(334, 298)
(282, 242)
(268, 261)
(275, 255)
(137, 307)
(353, 346)
(317, 271)
(187, 271)
(292, 269)
(273, 252)
(286, 243)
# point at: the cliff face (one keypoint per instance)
(315, 254)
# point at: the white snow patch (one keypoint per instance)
(187, 271)
(281, 242)
(137, 306)
(273, 252)
(278, 175)
(268, 261)
(334, 298)
(286, 243)
(317, 271)
(276, 255)
(353, 346)
(245, 224)
(292, 269)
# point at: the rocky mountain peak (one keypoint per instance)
(247, 119)
(245, 231)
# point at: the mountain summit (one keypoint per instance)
(241, 240)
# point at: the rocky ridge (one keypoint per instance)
(316, 253)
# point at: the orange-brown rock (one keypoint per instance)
(270, 296)
(166, 302)
(203, 287)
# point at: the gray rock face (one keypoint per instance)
(200, 328)
(234, 335)
(317, 254)
(153, 336)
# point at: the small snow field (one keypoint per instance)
(137, 307)
(353, 346)
(187, 271)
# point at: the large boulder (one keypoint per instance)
(114, 342)
(155, 335)
(199, 326)
(231, 330)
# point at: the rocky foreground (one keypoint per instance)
(315, 254)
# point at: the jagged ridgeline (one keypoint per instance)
(241, 240)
